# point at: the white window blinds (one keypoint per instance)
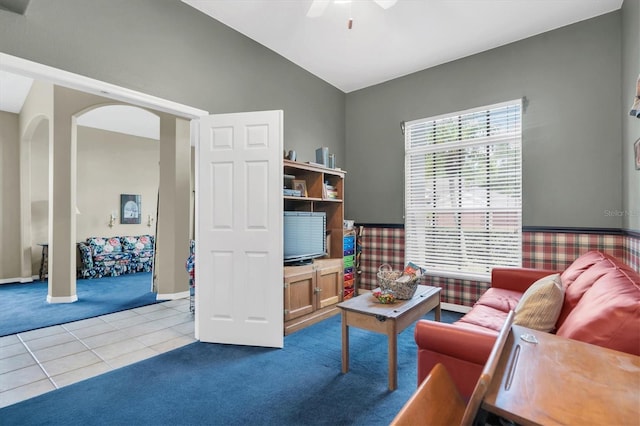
(463, 191)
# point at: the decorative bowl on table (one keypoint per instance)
(384, 297)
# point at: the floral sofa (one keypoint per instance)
(113, 256)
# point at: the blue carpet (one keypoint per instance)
(213, 384)
(24, 307)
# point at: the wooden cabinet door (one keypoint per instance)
(299, 291)
(329, 282)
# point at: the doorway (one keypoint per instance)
(91, 87)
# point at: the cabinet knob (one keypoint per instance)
(317, 290)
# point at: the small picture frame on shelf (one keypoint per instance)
(300, 185)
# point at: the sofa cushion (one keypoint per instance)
(540, 305)
(579, 284)
(483, 317)
(104, 246)
(581, 264)
(137, 243)
(109, 257)
(500, 299)
(608, 314)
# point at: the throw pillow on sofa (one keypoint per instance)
(541, 304)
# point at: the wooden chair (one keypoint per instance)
(488, 371)
(437, 400)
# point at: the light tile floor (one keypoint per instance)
(46, 359)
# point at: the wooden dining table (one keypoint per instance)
(543, 379)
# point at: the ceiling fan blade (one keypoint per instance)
(385, 4)
(317, 8)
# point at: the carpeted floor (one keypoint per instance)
(24, 307)
(212, 384)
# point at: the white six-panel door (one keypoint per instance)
(239, 297)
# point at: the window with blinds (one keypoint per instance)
(463, 191)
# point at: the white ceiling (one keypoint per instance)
(13, 91)
(382, 45)
(385, 44)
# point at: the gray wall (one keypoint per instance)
(167, 49)
(571, 125)
(630, 125)
(571, 78)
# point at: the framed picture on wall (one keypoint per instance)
(130, 209)
(636, 152)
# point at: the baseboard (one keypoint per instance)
(17, 280)
(66, 299)
(173, 296)
(455, 308)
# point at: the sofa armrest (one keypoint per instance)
(517, 279)
(459, 342)
(85, 255)
(463, 351)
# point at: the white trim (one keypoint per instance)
(483, 278)
(17, 280)
(455, 308)
(66, 299)
(173, 296)
(89, 85)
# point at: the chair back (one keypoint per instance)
(487, 373)
(435, 402)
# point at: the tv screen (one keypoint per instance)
(304, 236)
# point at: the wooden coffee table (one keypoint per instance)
(365, 312)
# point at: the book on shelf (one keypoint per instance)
(329, 192)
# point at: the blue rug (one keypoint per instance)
(213, 384)
(24, 307)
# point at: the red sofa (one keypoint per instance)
(601, 306)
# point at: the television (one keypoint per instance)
(304, 236)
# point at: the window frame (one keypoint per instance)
(449, 152)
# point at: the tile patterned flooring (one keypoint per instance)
(39, 361)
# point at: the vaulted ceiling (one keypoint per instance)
(384, 44)
(381, 45)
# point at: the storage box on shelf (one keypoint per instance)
(349, 264)
(312, 291)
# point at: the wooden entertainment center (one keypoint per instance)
(311, 292)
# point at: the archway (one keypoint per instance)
(114, 162)
(105, 174)
(174, 181)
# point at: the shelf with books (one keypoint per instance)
(312, 291)
(324, 189)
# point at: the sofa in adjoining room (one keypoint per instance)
(113, 256)
(595, 300)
